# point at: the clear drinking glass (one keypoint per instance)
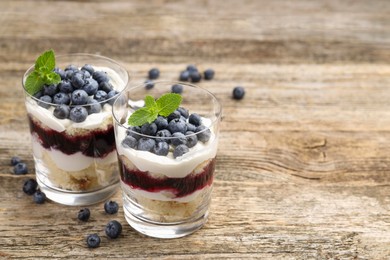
(166, 196)
(76, 162)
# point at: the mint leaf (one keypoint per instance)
(149, 101)
(142, 116)
(168, 103)
(46, 62)
(33, 83)
(51, 78)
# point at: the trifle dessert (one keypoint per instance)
(167, 146)
(70, 118)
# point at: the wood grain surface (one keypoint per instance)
(303, 161)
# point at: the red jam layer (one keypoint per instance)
(96, 143)
(181, 187)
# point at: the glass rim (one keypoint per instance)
(80, 54)
(217, 119)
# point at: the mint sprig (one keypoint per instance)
(43, 73)
(163, 106)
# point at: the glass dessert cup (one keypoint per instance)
(76, 162)
(166, 196)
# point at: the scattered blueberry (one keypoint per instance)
(93, 107)
(88, 68)
(130, 142)
(111, 96)
(192, 139)
(161, 122)
(65, 86)
(100, 76)
(93, 241)
(192, 68)
(174, 115)
(149, 129)
(45, 101)
(161, 148)
(20, 168)
(195, 76)
(84, 214)
(177, 125)
(61, 111)
(91, 86)
(163, 134)
(238, 92)
(195, 119)
(78, 114)
(179, 138)
(180, 150)
(79, 97)
(15, 160)
(146, 144)
(101, 95)
(208, 74)
(39, 197)
(183, 112)
(78, 80)
(203, 133)
(105, 86)
(30, 186)
(61, 98)
(50, 90)
(154, 73)
(177, 88)
(149, 84)
(113, 229)
(184, 75)
(111, 207)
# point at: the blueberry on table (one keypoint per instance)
(20, 168)
(84, 214)
(79, 97)
(195, 119)
(93, 241)
(130, 142)
(195, 76)
(149, 84)
(113, 229)
(39, 197)
(146, 144)
(177, 88)
(180, 150)
(191, 68)
(111, 207)
(184, 75)
(100, 76)
(78, 114)
(161, 148)
(61, 111)
(238, 92)
(45, 101)
(15, 160)
(30, 186)
(208, 74)
(153, 73)
(61, 98)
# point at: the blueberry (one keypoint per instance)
(180, 150)
(61, 111)
(177, 88)
(71, 67)
(177, 125)
(161, 148)
(88, 68)
(38, 95)
(208, 74)
(203, 133)
(238, 92)
(184, 75)
(111, 96)
(163, 134)
(60, 72)
(195, 119)
(79, 97)
(111, 207)
(179, 138)
(101, 95)
(93, 107)
(50, 90)
(78, 80)
(69, 74)
(93, 241)
(105, 86)
(130, 142)
(30, 186)
(195, 76)
(134, 132)
(15, 160)
(91, 86)
(174, 115)
(46, 101)
(78, 114)
(183, 112)
(39, 197)
(86, 74)
(149, 84)
(61, 98)
(65, 86)
(161, 122)
(191, 127)
(192, 139)
(113, 229)
(146, 144)
(100, 76)
(84, 214)
(191, 68)
(20, 168)
(149, 129)
(154, 73)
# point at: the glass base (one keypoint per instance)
(78, 199)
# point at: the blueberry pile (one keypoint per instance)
(81, 92)
(177, 133)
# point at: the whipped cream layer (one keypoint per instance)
(92, 121)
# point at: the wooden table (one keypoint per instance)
(303, 167)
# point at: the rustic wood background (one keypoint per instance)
(303, 166)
